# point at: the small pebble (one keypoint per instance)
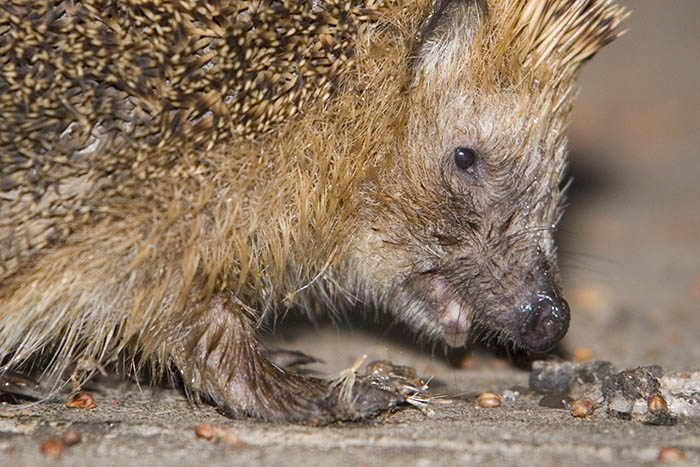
(53, 448)
(669, 454)
(82, 400)
(510, 395)
(489, 400)
(657, 403)
(581, 408)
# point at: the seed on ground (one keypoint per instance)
(204, 431)
(208, 431)
(489, 400)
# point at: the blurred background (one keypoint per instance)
(630, 240)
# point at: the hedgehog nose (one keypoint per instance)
(545, 322)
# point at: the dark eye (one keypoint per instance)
(465, 159)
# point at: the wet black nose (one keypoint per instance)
(545, 322)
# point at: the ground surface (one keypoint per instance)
(630, 248)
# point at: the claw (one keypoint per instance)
(284, 358)
(19, 385)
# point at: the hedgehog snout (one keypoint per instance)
(545, 321)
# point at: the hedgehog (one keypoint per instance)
(174, 174)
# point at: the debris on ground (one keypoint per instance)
(570, 378)
(581, 408)
(646, 393)
(380, 387)
(82, 400)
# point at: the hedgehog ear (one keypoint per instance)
(447, 19)
(444, 12)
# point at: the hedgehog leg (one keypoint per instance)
(220, 356)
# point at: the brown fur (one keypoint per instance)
(164, 189)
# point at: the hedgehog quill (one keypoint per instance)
(172, 173)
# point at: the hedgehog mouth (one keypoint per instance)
(455, 324)
(537, 322)
(455, 319)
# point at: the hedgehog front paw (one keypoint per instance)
(220, 357)
(307, 400)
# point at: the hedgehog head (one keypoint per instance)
(477, 193)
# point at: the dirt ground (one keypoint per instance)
(630, 252)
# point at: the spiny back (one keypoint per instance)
(97, 96)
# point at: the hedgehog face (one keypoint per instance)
(486, 263)
(471, 228)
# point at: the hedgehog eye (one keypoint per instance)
(465, 159)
